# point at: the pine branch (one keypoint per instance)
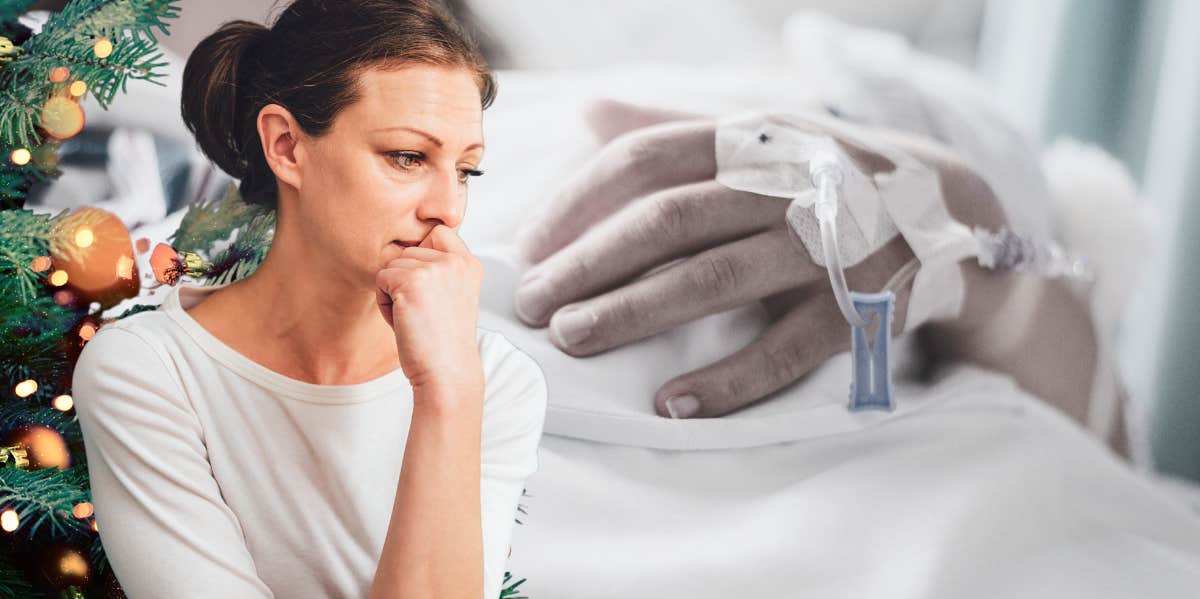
(24, 235)
(34, 342)
(208, 223)
(13, 582)
(510, 592)
(233, 235)
(15, 413)
(98, 557)
(45, 498)
(67, 39)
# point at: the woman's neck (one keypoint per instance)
(307, 320)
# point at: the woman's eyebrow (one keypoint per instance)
(432, 138)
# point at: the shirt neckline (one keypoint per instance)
(187, 295)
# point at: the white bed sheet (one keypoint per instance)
(986, 493)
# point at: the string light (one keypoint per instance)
(20, 156)
(83, 509)
(58, 278)
(102, 48)
(84, 237)
(78, 88)
(64, 402)
(26, 388)
(9, 520)
(40, 263)
(125, 267)
(87, 331)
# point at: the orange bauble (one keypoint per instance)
(44, 447)
(93, 247)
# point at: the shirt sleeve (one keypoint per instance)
(514, 414)
(164, 525)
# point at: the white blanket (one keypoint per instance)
(986, 492)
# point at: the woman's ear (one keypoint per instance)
(279, 132)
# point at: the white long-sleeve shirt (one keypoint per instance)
(214, 476)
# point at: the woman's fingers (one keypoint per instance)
(632, 166)
(445, 239)
(709, 282)
(650, 232)
(789, 349)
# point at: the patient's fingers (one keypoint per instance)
(789, 349)
(630, 167)
(610, 118)
(651, 231)
(712, 281)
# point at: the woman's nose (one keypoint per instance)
(445, 201)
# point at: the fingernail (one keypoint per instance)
(573, 325)
(532, 301)
(683, 406)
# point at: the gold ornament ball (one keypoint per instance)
(45, 447)
(62, 117)
(61, 565)
(93, 247)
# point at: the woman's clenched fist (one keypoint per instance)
(430, 298)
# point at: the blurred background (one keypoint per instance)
(1121, 74)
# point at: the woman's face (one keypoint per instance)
(393, 165)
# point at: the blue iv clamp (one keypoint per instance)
(871, 379)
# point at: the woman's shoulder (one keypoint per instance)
(136, 348)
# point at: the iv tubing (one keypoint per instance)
(826, 177)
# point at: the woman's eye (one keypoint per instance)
(406, 159)
(463, 174)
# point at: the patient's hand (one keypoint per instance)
(644, 239)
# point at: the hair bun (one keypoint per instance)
(217, 87)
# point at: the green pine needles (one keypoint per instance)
(67, 40)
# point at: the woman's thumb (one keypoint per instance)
(610, 118)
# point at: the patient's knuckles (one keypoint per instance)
(787, 362)
(671, 218)
(713, 273)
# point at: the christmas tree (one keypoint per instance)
(60, 274)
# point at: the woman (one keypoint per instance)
(275, 436)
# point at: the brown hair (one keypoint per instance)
(308, 61)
